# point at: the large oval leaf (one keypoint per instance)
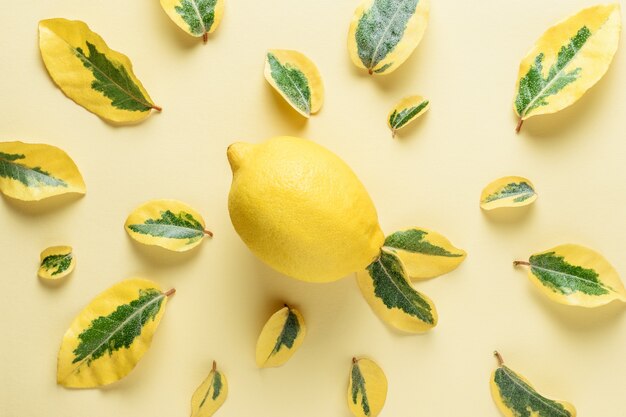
(169, 224)
(386, 288)
(407, 110)
(107, 339)
(196, 17)
(566, 61)
(367, 389)
(90, 73)
(424, 253)
(296, 78)
(384, 33)
(32, 172)
(210, 395)
(575, 275)
(508, 192)
(515, 396)
(56, 262)
(281, 336)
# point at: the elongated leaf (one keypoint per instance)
(407, 110)
(56, 262)
(90, 73)
(32, 172)
(516, 397)
(210, 395)
(424, 253)
(386, 287)
(296, 78)
(196, 17)
(384, 33)
(575, 275)
(567, 60)
(169, 224)
(281, 336)
(107, 339)
(367, 389)
(508, 192)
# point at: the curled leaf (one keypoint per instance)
(386, 287)
(576, 53)
(516, 397)
(296, 78)
(508, 192)
(169, 224)
(32, 172)
(90, 73)
(56, 262)
(107, 339)
(575, 275)
(367, 389)
(281, 336)
(407, 110)
(384, 33)
(210, 395)
(424, 253)
(196, 17)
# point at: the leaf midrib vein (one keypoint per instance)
(380, 42)
(532, 393)
(395, 285)
(599, 284)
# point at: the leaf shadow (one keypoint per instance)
(291, 115)
(162, 257)
(45, 206)
(55, 283)
(411, 129)
(505, 215)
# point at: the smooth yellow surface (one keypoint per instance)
(45, 273)
(47, 158)
(215, 94)
(59, 40)
(265, 355)
(605, 23)
(202, 402)
(412, 36)
(423, 266)
(153, 210)
(295, 59)
(375, 387)
(169, 6)
(115, 365)
(301, 209)
(508, 202)
(588, 259)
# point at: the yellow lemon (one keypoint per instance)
(302, 210)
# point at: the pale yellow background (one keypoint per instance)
(431, 177)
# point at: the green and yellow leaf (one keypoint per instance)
(169, 224)
(32, 172)
(210, 395)
(567, 60)
(107, 339)
(424, 253)
(386, 287)
(281, 336)
(367, 389)
(56, 262)
(508, 192)
(384, 33)
(407, 110)
(516, 397)
(90, 73)
(297, 80)
(575, 275)
(196, 17)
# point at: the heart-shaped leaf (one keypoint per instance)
(407, 110)
(384, 33)
(56, 262)
(567, 60)
(92, 74)
(281, 336)
(196, 17)
(32, 172)
(575, 275)
(169, 224)
(210, 395)
(367, 389)
(508, 192)
(107, 339)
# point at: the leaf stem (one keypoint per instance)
(498, 357)
(157, 108)
(393, 133)
(519, 125)
(208, 233)
(517, 263)
(205, 37)
(370, 71)
(169, 292)
(214, 368)
(354, 360)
